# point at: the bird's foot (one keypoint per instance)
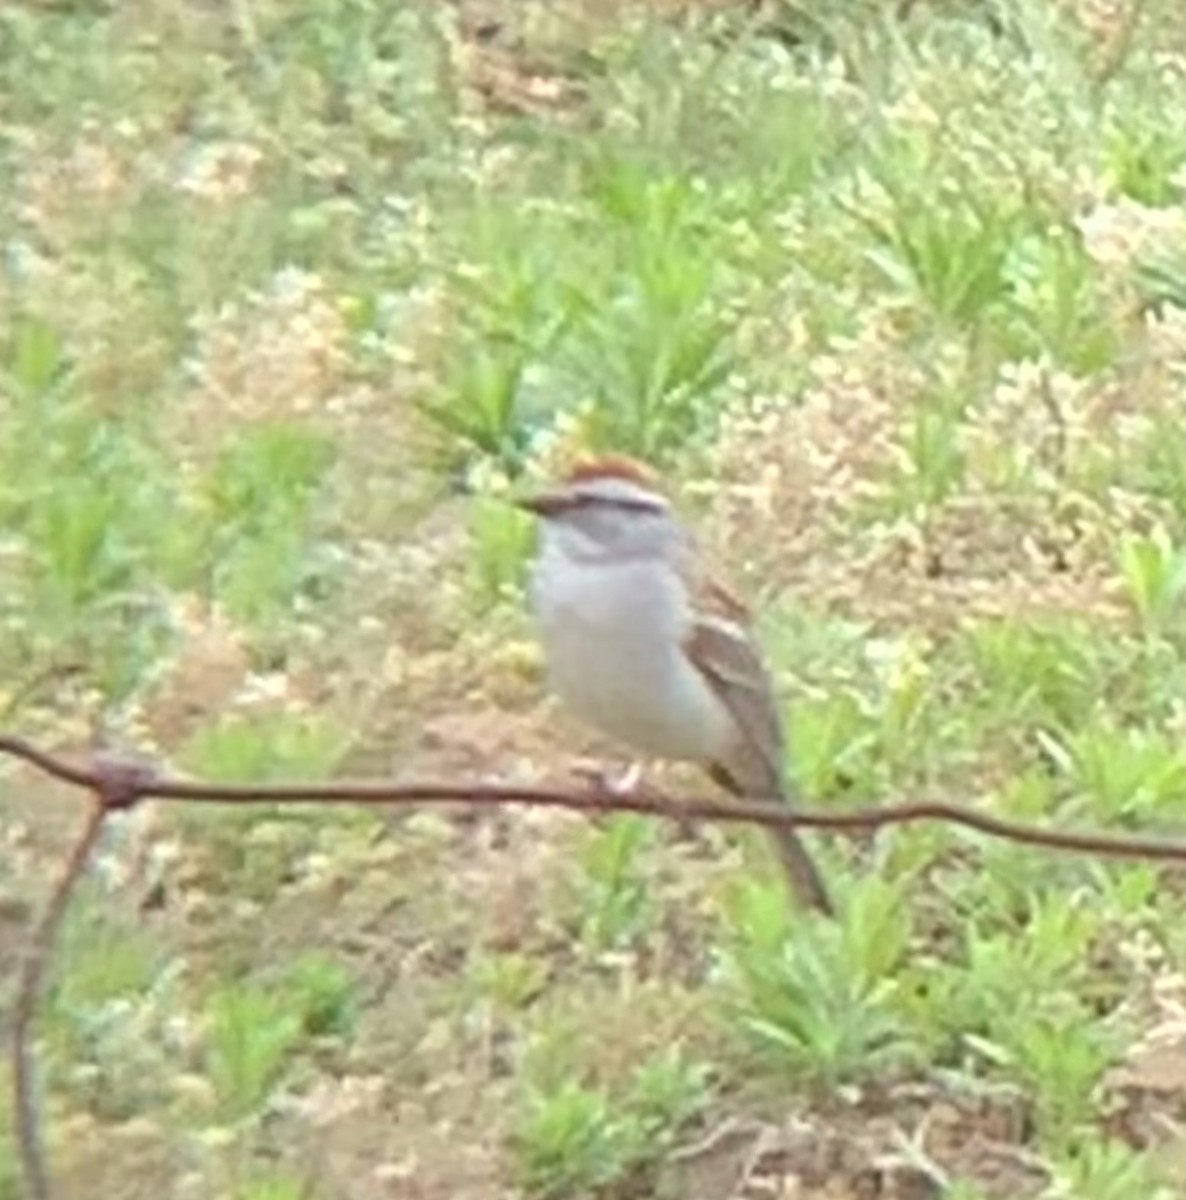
(601, 779)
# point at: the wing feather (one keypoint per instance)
(726, 655)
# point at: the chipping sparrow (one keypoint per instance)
(639, 644)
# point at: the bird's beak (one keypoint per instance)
(545, 504)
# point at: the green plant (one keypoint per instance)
(1134, 775)
(1015, 967)
(1158, 465)
(274, 1185)
(573, 1139)
(520, 292)
(615, 895)
(1162, 278)
(1054, 309)
(1035, 672)
(1061, 1060)
(1107, 1170)
(1144, 159)
(107, 1011)
(1009, 1002)
(817, 1000)
(834, 746)
(933, 466)
(259, 847)
(1154, 572)
(86, 496)
(502, 538)
(251, 1032)
(266, 748)
(652, 352)
(569, 1141)
(324, 993)
(953, 253)
(254, 535)
(508, 982)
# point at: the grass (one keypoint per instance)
(293, 296)
(577, 1139)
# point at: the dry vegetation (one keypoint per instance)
(293, 292)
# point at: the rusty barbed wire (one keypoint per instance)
(118, 782)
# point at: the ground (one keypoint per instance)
(295, 294)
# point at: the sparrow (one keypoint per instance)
(642, 645)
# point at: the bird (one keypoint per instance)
(641, 644)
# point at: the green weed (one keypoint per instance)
(1107, 1170)
(324, 993)
(259, 847)
(258, 500)
(107, 1013)
(817, 1001)
(574, 1139)
(1154, 572)
(266, 748)
(503, 539)
(251, 1033)
(616, 893)
(275, 1185)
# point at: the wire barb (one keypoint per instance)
(121, 780)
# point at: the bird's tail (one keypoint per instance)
(804, 876)
(805, 880)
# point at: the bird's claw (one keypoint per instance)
(601, 779)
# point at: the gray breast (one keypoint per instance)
(610, 634)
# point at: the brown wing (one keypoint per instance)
(724, 652)
(733, 663)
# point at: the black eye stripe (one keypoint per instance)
(623, 503)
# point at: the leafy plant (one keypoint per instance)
(1107, 1170)
(1054, 310)
(1061, 1061)
(86, 498)
(1036, 673)
(654, 350)
(615, 899)
(521, 293)
(274, 1185)
(835, 744)
(1154, 571)
(325, 994)
(817, 1000)
(953, 254)
(1162, 278)
(933, 465)
(574, 1139)
(1008, 1002)
(260, 846)
(1127, 774)
(509, 981)
(1144, 158)
(254, 539)
(107, 1013)
(568, 1140)
(251, 1033)
(502, 538)
(266, 748)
